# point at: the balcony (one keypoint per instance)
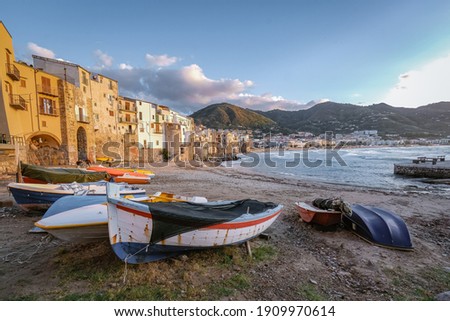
(131, 109)
(47, 90)
(130, 132)
(12, 71)
(127, 120)
(18, 102)
(83, 118)
(50, 111)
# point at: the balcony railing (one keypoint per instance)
(17, 102)
(47, 90)
(130, 132)
(48, 111)
(129, 120)
(83, 118)
(131, 109)
(12, 71)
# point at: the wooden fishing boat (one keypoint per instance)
(55, 175)
(378, 226)
(126, 175)
(144, 232)
(132, 178)
(39, 197)
(147, 172)
(312, 214)
(85, 219)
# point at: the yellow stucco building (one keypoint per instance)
(63, 113)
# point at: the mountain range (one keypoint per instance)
(426, 121)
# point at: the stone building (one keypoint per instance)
(105, 108)
(75, 99)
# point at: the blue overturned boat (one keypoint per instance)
(378, 226)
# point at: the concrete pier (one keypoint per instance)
(436, 167)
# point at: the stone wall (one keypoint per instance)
(428, 171)
(8, 159)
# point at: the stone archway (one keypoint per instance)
(45, 149)
(82, 144)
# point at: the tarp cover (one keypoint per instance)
(62, 175)
(170, 219)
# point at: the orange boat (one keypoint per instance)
(132, 178)
(312, 214)
(124, 175)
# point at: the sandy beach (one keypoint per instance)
(297, 261)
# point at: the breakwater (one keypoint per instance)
(429, 167)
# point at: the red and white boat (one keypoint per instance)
(142, 232)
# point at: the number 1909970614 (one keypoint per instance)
(295, 311)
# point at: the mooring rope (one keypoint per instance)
(22, 257)
(125, 272)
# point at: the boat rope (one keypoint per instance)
(21, 257)
(125, 272)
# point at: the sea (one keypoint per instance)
(371, 167)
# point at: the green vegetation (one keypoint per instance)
(309, 292)
(415, 287)
(226, 116)
(426, 121)
(89, 272)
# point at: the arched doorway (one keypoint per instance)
(82, 144)
(45, 149)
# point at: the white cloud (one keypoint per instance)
(124, 66)
(160, 61)
(425, 85)
(268, 102)
(40, 51)
(103, 59)
(188, 89)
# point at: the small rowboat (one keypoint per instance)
(85, 219)
(39, 197)
(126, 175)
(378, 226)
(55, 175)
(132, 178)
(142, 232)
(311, 214)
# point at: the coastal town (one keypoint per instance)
(59, 113)
(116, 174)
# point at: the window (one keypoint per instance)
(84, 78)
(23, 83)
(110, 85)
(111, 113)
(46, 85)
(46, 106)
(44, 123)
(140, 115)
(153, 116)
(157, 143)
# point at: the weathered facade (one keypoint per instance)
(105, 104)
(62, 114)
(75, 99)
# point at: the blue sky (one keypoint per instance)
(256, 54)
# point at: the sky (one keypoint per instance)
(263, 55)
